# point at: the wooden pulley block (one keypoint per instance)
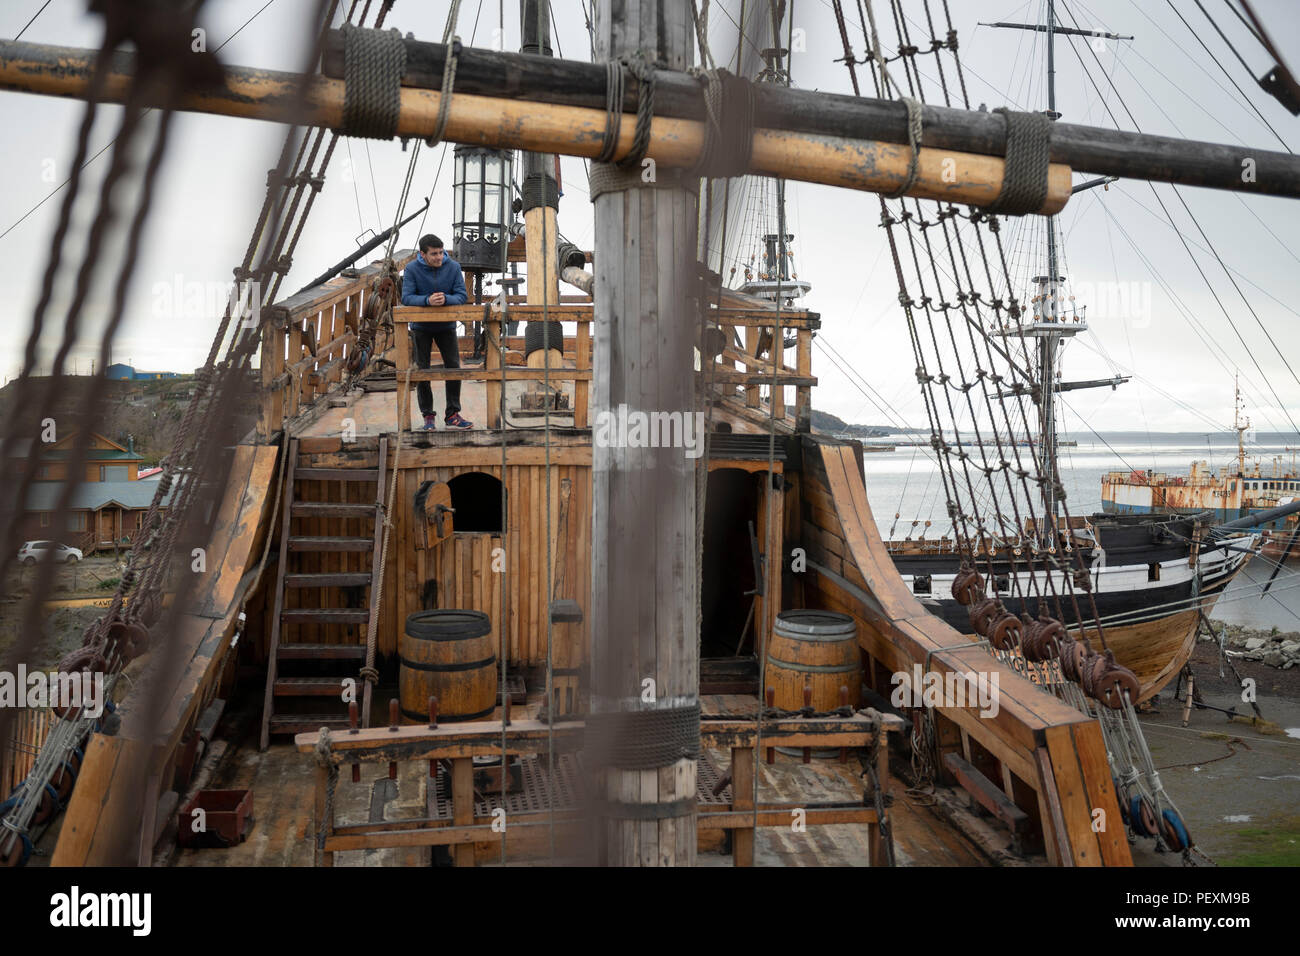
(1170, 835)
(1174, 832)
(1114, 684)
(1052, 631)
(136, 637)
(967, 586)
(1094, 669)
(1073, 655)
(1007, 632)
(1147, 817)
(86, 660)
(17, 853)
(47, 807)
(984, 614)
(149, 609)
(1034, 647)
(1043, 638)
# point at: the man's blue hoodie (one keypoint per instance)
(420, 280)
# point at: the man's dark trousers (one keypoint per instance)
(449, 345)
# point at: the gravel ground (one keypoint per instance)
(1237, 784)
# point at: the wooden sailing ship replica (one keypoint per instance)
(485, 645)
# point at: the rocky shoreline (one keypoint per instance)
(1273, 647)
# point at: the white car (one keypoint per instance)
(34, 551)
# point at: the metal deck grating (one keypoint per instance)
(532, 799)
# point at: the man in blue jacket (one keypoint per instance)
(435, 279)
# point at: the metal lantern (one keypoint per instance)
(481, 207)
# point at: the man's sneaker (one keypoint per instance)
(456, 421)
(430, 423)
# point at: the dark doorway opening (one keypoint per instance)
(728, 567)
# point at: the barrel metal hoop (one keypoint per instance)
(814, 668)
(463, 666)
(814, 624)
(820, 638)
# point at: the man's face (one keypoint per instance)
(433, 256)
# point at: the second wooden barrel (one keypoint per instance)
(447, 654)
(817, 648)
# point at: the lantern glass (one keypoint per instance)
(481, 206)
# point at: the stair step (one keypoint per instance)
(321, 652)
(309, 687)
(341, 580)
(307, 543)
(306, 723)
(337, 474)
(327, 615)
(334, 509)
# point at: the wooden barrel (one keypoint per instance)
(449, 655)
(818, 648)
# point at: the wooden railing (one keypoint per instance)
(459, 743)
(492, 374)
(306, 341)
(1048, 758)
(750, 364)
(758, 360)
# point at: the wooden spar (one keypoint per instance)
(1083, 148)
(831, 160)
(803, 114)
(643, 556)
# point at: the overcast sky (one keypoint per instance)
(1167, 328)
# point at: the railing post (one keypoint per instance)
(803, 393)
(582, 361)
(402, 363)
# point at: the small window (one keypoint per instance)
(1153, 572)
(114, 473)
(921, 584)
(77, 521)
(1003, 582)
(45, 519)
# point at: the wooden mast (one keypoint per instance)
(541, 193)
(645, 650)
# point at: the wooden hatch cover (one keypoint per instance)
(433, 501)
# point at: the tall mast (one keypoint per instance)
(1047, 325)
(1048, 343)
(1237, 426)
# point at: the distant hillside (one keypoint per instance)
(828, 424)
(148, 411)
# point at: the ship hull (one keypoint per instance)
(1155, 650)
(1148, 601)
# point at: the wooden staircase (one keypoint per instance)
(313, 567)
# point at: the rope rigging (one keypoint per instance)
(194, 472)
(990, 490)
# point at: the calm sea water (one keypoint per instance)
(906, 482)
